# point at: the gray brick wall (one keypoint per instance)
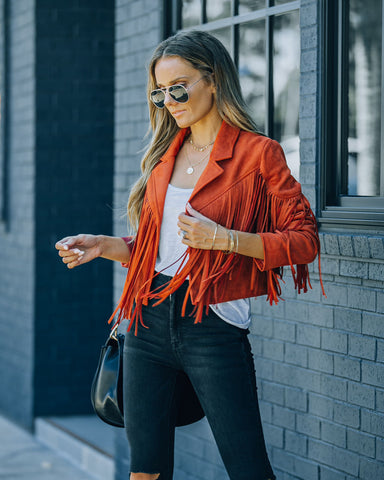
(17, 238)
(60, 125)
(319, 360)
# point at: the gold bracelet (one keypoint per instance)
(231, 243)
(214, 236)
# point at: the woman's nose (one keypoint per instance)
(168, 98)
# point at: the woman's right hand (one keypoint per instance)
(79, 249)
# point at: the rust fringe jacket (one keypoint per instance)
(246, 186)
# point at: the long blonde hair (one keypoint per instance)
(208, 55)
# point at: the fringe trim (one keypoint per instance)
(260, 211)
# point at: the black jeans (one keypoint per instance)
(217, 358)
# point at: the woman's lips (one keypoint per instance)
(178, 112)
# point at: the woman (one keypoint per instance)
(216, 214)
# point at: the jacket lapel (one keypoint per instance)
(161, 175)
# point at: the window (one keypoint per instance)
(263, 37)
(353, 106)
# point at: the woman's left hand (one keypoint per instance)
(197, 231)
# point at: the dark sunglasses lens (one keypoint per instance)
(179, 93)
(158, 97)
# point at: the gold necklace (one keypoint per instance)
(200, 149)
(191, 167)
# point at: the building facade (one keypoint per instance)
(312, 75)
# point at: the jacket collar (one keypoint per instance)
(161, 175)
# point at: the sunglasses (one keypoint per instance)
(178, 93)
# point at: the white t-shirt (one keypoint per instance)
(171, 248)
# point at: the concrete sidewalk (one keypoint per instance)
(23, 457)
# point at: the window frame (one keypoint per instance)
(172, 24)
(340, 211)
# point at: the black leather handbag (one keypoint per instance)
(107, 384)
(107, 388)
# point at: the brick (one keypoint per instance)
(321, 315)
(273, 392)
(274, 436)
(321, 406)
(380, 302)
(329, 474)
(308, 84)
(333, 387)
(283, 460)
(309, 60)
(296, 399)
(307, 151)
(337, 295)
(334, 341)
(380, 400)
(346, 245)
(372, 422)
(362, 347)
(373, 325)
(296, 443)
(347, 367)
(309, 37)
(283, 417)
(333, 433)
(330, 266)
(308, 424)
(362, 298)
(334, 457)
(361, 443)
(296, 355)
(308, 15)
(319, 360)
(347, 414)
(308, 335)
(284, 330)
(351, 268)
(376, 247)
(306, 469)
(376, 271)
(273, 349)
(380, 449)
(380, 351)
(361, 246)
(261, 325)
(308, 108)
(361, 395)
(371, 469)
(372, 373)
(348, 320)
(331, 244)
(297, 311)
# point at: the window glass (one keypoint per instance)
(286, 74)
(224, 35)
(218, 9)
(190, 13)
(253, 68)
(246, 6)
(364, 97)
